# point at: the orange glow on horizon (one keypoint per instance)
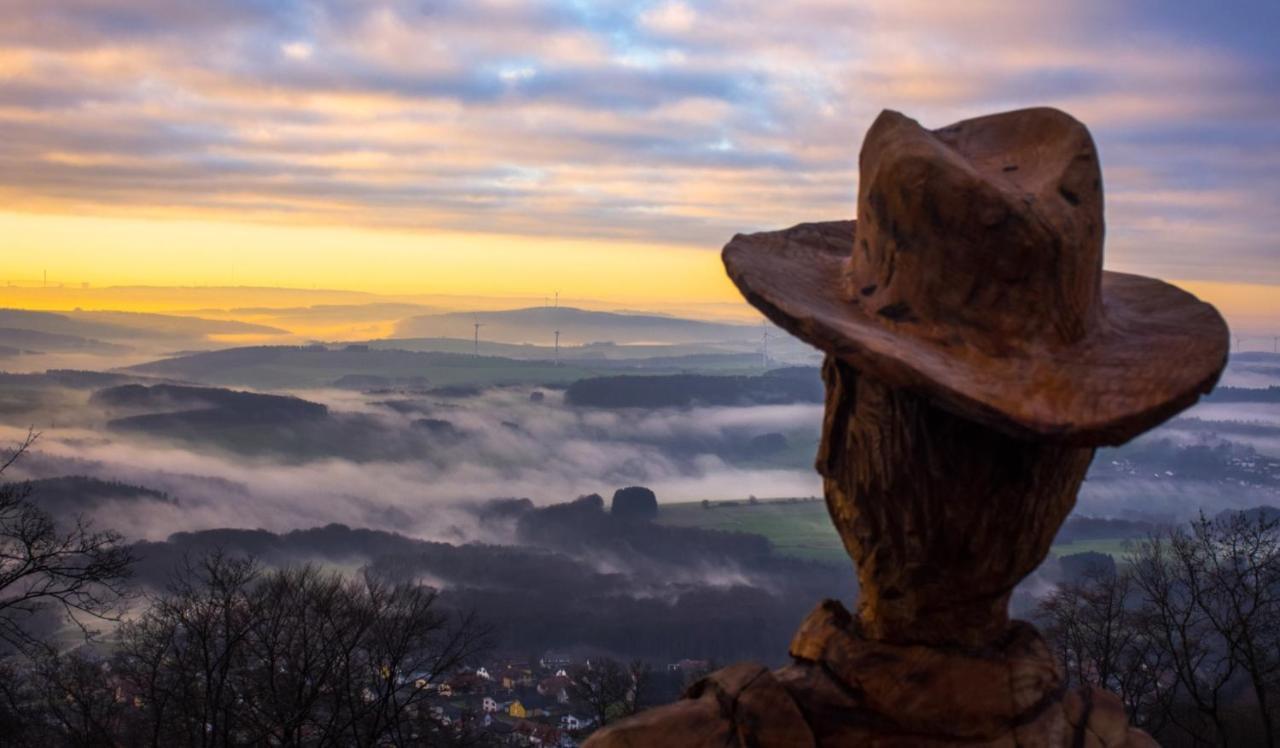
(99, 251)
(257, 264)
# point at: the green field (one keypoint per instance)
(802, 528)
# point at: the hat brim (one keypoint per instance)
(1158, 349)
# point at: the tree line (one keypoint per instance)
(230, 653)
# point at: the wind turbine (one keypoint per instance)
(764, 346)
(557, 347)
(477, 340)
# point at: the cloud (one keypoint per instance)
(672, 18)
(415, 115)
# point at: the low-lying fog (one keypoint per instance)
(498, 444)
(187, 466)
(420, 455)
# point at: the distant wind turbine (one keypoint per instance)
(764, 346)
(557, 347)
(477, 339)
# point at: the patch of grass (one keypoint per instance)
(802, 529)
(1117, 548)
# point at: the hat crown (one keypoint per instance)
(992, 224)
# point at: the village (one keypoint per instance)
(555, 701)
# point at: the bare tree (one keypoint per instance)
(1240, 596)
(47, 566)
(233, 655)
(607, 689)
(1188, 627)
(1169, 570)
(79, 705)
(183, 654)
(1095, 626)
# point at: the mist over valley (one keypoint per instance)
(462, 462)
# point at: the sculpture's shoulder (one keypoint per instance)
(741, 705)
(845, 690)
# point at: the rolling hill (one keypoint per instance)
(576, 326)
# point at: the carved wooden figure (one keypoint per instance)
(977, 353)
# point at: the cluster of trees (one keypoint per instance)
(232, 654)
(49, 569)
(1187, 632)
(229, 654)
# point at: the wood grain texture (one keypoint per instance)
(974, 276)
(845, 690)
(1154, 351)
(992, 224)
(941, 515)
(977, 353)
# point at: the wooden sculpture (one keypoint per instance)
(977, 353)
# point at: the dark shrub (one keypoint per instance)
(634, 502)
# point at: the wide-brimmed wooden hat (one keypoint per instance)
(973, 276)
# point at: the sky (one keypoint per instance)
(603, 149)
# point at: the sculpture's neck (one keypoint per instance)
(942, 516)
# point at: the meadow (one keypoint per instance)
(800, 528)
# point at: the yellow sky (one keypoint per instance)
(377, 148)
(183, 252)
(103, 251)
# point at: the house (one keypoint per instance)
(466, 683)
(534, 703)
(481, 672)
(489, 705)
(689, 666)
(516, 709)
(573, 723)
(553, 660)
(515, 675)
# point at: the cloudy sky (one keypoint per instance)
(495, 146)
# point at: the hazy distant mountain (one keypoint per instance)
(362, 366)
(576, 326)
(172, 324)
(86, 331)
(319, 366)
(69, 378)
(35, 340)
(1244, 395)
(333, 312)
(690, 356)
(60, 324)
(70, 494)
(169, 398)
